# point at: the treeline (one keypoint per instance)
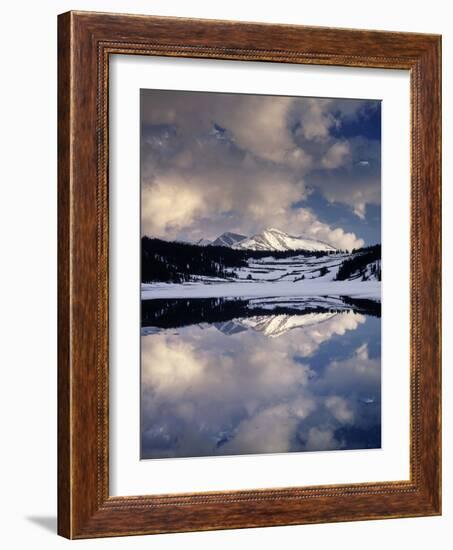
(361, 264)
(177, 262)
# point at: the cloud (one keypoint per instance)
(169, 205)
(314, 119)
(336, 155)
(208, 202)
(360, 209)
(260, 125)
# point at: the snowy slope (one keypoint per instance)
(203, 242)
(295, 268)
(293, 276)
(273, 239)
(371, 272)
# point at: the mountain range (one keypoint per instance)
(270, 239)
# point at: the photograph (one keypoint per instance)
(260, 274)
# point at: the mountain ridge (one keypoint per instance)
(229, 238)
(270, 239)
(273, 239)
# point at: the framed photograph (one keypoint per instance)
(249, 275)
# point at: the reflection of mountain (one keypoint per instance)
(274, 325)
(231, 327)
(270, 316)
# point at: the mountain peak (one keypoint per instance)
(203, 242)
(273, 239)
(228, 239)
(270, 239)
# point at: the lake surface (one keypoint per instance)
(267, 375)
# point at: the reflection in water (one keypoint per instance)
(225, 377)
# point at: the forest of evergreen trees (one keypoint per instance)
(176, 262)
(355, 266)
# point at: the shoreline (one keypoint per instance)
(362, 289)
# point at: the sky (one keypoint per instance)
(213, 162)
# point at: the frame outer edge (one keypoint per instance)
(82, 510)
(64, 527)
(438, 169)
(426, 245)
(434, 172)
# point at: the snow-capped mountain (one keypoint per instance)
(273, 240)
(228, 239)
(203, 242)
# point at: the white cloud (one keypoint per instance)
(315, 118)
(360, 209)
(169, 205)
(173, 203)
(336, 155)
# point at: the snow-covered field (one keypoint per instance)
(289, 277)
(294, 269)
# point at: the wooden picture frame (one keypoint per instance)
(85, 42)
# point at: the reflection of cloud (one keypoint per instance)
(205, 393)
(339, 408)
(271, 429)
(358, 364)
(169, 364)
(319, 439)
(311, 338)
(240, 162)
